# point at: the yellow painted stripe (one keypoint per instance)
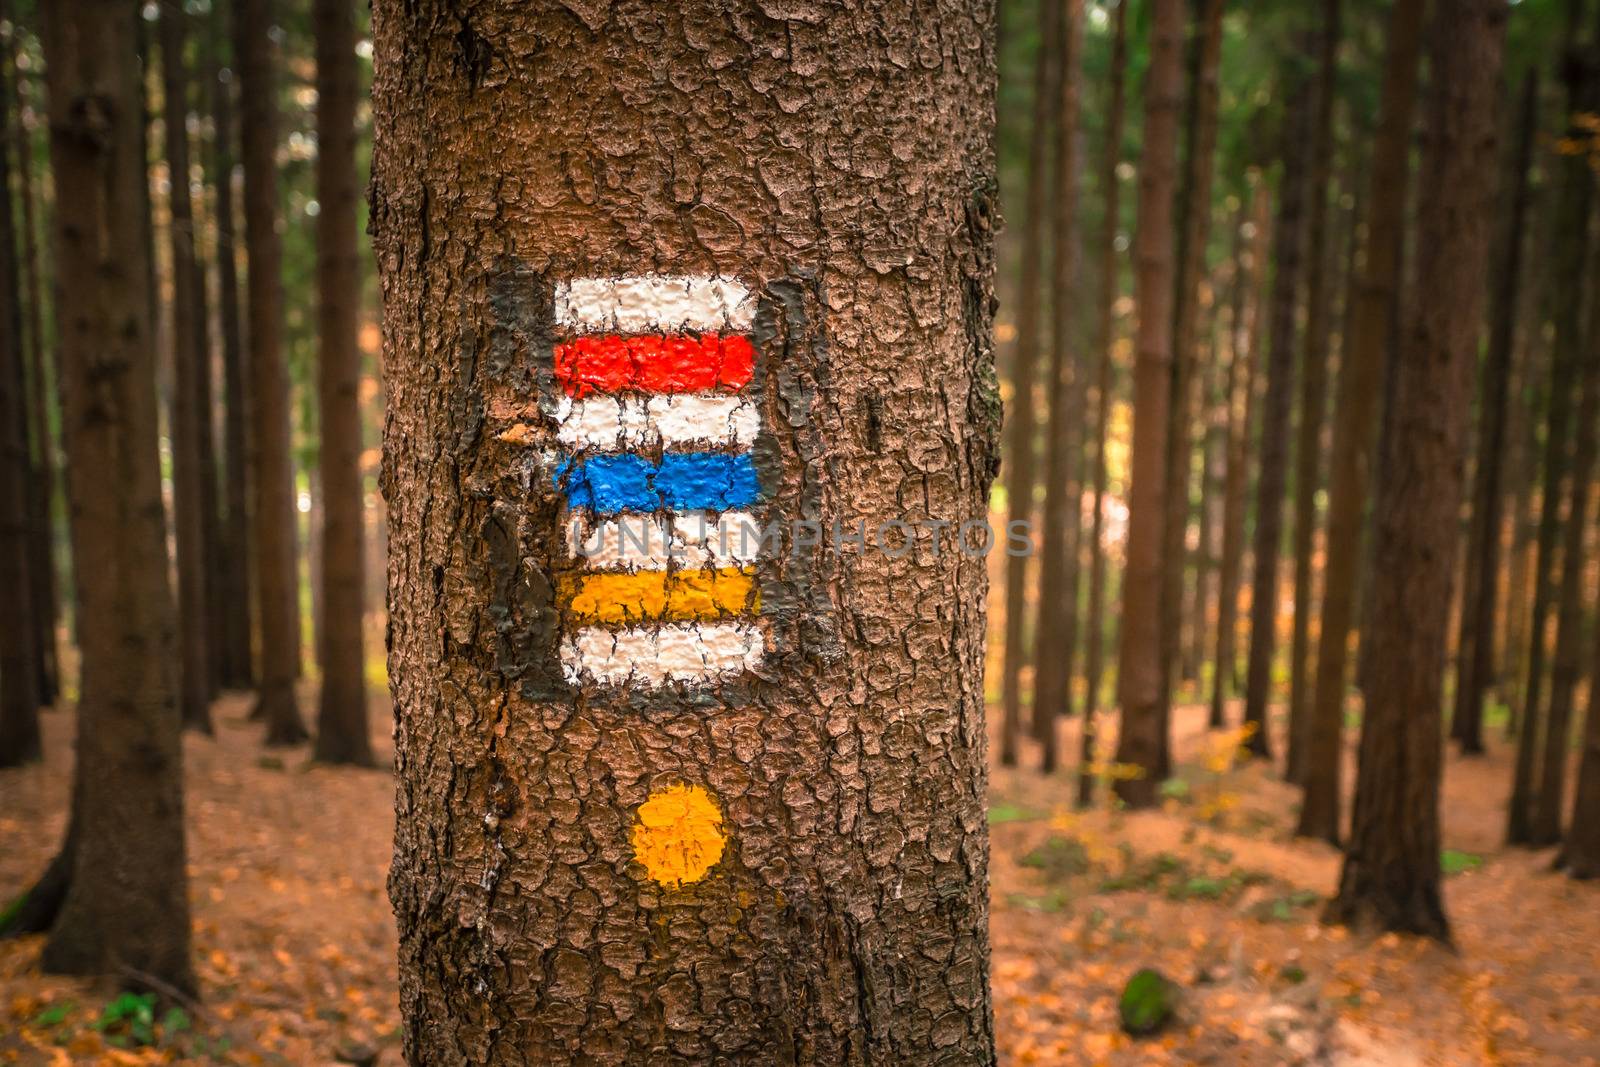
(670, 596)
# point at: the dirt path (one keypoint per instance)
(295, 940)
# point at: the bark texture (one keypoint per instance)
(342, 716)
(1361, 371)
(1056, 647)
(1571, 253)
(1391, 873)
(1142, 741)
(191, 403)
(20, 679)
(1287, 252)
(1580, 852)
(1022, 425)
(44, 594)
(844, 169)
(1313, 389)
(1194, 232)
(1105, 343)
(238, 670)
(1249, 275)
(126, 911)
(273, 518)
(1475, 641)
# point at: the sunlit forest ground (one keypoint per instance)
(295, 942)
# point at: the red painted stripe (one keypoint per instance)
(674, 363)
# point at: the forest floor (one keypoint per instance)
(295, 941)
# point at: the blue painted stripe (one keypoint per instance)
(682, 481)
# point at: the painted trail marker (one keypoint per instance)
(657, 427)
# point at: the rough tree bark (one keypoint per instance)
(342, 716)
(1276, 405)
(1475, 641)
(238, 669)
(1313, 390)
(126, 912)
(1105, 342)
(1546, 801)
(822, 808)
(45, 598)
(1250, 275)
(1055, 650)
(1142, 741)
(273, 514)
(1571, 254)
(191, 405)
(1391, 872)
(1580, 852)
(1193, 233)
(1022, 426)
(1361, 369)
(20, 694)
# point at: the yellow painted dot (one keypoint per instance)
(677, 834)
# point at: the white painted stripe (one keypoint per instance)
(626, 423)
(653, 656)
(641, 303)
(641, 542)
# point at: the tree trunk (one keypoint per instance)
(1022, 426)
(1361, 369)
(1475, 643)
(126, 912)
(1571, 254)
(1313, 392)
(1391, 873)
(19, 658)
(1193, 233)
(1275, 411)
(1104, 380)
(238, 658)
(342, 717)
(274, 514)
(1580, 853)
(1056, 647)
(1249, 273)
(191, 407)
(45, 598)
(1548, 798)
(746, 825)
(1142, 742)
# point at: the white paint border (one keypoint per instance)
(653, 656)
(628, 423)
(641, 303)
(690, 540)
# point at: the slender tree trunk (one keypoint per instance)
(1275, 411)
(758, 898)
(1391, 873)
(1475, 643)
(1313, 392)
(1022, 426)
(1208, 513)
(1523, 460)
(274, 514)
(1250, 270)
(1580, 853)
(45, 598)
(1142, 741)
(1193, 233)
(20, 676)
(235, 637)
(1548, 799)
(1104, 382)
(1571, 254)
(342, 718)
(1055, 649)
(191, 407)
(1361, 369)
(126, 913)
